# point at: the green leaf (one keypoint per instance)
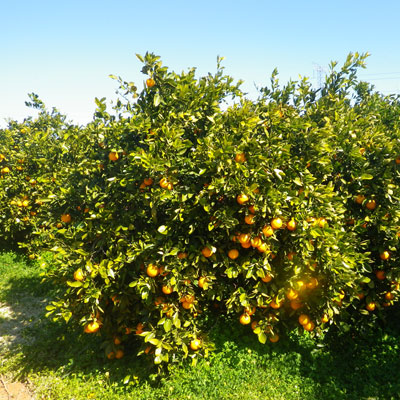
(167, 325)
(157, 99)
(262, 337)
(163, 229)
(366, 176)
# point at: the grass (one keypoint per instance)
(63, 364)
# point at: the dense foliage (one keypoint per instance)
(189, 201)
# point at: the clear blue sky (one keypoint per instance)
(65, 50)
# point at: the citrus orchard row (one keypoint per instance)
(281, 212)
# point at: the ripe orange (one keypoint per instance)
(380, 274)
(113, 156)
(167, 289)
(249, 219)
(111, 355)
(274, 338)
(309, 327)
(256, 241)
(304, 319)
(276, 223)
(275, 305)
(389, 296)
(263, 247)
(242, 198)
(268, 231)
(152, 270)
(313, 283)
(371, 204)
(252, 209)
(360, 295)
(250, 310)
(117, 341)
(267, 278)
(292, 294)
(325, 318)
(245, 319)
(25, 203)
(246, 245)
(322, 222)
(296, 304)
(195, 344)
(233, 254)
(385, 255)
(182, 255)
(78, 275)
(362, 150)
(291, 225)
(139, 328)
(244, 238)
(359, 198)
(119, 354)
(240, 157)
(164, 183)
(92, 327)
(290, 255)
(66, 218)
(370, 306)
(189, 298)
(397, 161)
(186, 305)
(203, 282)
(5, 170)
(150, 82)
(254, 325)
(207, 252)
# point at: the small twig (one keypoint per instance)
(5, 388)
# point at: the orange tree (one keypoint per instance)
(178, 207)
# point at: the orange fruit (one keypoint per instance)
(313, 283)
(119, 354)
(117, 341)
(182, 255)
(5, 170)
(267, 278)
(325, 318)
(290, 255)
(113, 156)
(195, 344)
(292, 294)
(244, 238)
(186, 305)
(240, 157)
(249, 219)
(263, 248)
(359, 198)
(274, 338)
(148, 181)
(250, 310)
(139, 328)
(291, 225)
(254, 325)
(245, 319)
(163, 183)
(242, 199)
(111, 355)
(78, 275)
(380, 274)
(92, 327)
(370, 306)
(66, 218)
(275, 305)
(203, 282)
(233, 254)
(371, 204)
(150, 82)
(309, 327)
(304, 319)
(397, 161)
(276, 223)
(267, 231)
(362, 150)
(385, 255)
(152, 270)
(389, 296)
(256, 241)
(296, 304)
(207, 252)
(189, 298)
(167, 289)
(246, 245)
(360, 295)
(322, 222)
(252, 209)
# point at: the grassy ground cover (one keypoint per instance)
(61, 363)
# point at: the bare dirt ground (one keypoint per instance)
(13, 320)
